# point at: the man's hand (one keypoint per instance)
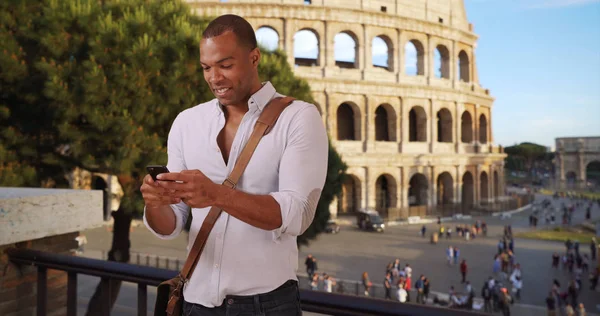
(193, 187)
(155, 196)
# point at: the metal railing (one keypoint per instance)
(311, 301)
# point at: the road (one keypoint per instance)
(347, 254)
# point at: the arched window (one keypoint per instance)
(444, 126)
(417, 125)
(442, 62)
(306, 48)
(267, 38)
(464, 67)
(382, 53)
(345, 50)
(414, 61)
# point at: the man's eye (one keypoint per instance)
(226, 66)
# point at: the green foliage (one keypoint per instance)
(97, 86)
(523, 156)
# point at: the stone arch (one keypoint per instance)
(385, 123)
(442, 62)
(464, 66)
(382, 52)
(418, 190)
(306, 47)
(349, 198)
(444, 126)
(385, 193)
(348, 122)
(267, 37)
(417, 124)
(592, 173)
(99, 183)
(483, 128)
(415, 58)
(345, 50)
(484, 186)
(445, 189)
(571, 178)
(466, 127)
(468, 189)
(496, 185)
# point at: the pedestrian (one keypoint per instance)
(449, 254)
(423, 231)
(419, 286)
(328, 283)
(366, 283)
(402, 293)
(517, 285)
(505, 302)
(463, 271)
(310, 266)
(387, 285)
(551, 304)
(426, 288)
(593, 248)
(486, 294)
(264, 213)
(314, 284)
(456, 255)
(555, 260)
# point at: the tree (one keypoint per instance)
(529, 157)
(97, 86)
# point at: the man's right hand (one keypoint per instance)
(156, 196)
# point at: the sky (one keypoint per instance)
(539, 58)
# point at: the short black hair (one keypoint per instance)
(232, 23)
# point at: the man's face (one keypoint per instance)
(228, 67)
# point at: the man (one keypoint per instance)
(420, 286)
(310, 266)
(249, 262)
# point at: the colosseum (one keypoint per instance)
(416, 132)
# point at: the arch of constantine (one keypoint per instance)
(414, 130)
(576, 159)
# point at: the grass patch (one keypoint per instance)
(558, 234)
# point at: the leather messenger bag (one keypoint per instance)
(169, 296)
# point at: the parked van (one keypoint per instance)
(370, 220)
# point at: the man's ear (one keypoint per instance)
(255, 56)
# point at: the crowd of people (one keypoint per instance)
(502, 289)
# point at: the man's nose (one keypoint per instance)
(216, 76)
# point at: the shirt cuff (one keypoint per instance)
(178, 225)
(291, 216)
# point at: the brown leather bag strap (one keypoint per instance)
(265, 123)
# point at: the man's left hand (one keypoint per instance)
(193, 187)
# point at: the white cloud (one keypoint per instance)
(540, 4)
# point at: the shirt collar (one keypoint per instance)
(258, 100)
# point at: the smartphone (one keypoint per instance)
(155, 170)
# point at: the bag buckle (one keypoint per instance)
(231, 183)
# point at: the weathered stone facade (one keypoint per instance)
(409, 140)
(573, 157)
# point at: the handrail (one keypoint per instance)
(311, 301)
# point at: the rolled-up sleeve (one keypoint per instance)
(176, 163)
(302, 172)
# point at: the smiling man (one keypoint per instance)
(249, 263)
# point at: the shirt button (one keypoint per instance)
(230, 301)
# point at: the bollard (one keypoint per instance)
(167, 263)
(157, 262)
(147, 259)
(138, 258)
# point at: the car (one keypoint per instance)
(332, 227)
(370, 220)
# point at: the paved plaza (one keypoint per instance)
(347, 254)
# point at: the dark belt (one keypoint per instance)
(289, 287)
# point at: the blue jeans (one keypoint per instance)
(283, 301)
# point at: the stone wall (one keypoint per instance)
(18, 284)
(573, 156)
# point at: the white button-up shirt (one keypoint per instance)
(290, 164)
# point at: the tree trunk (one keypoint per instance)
(119, 252)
